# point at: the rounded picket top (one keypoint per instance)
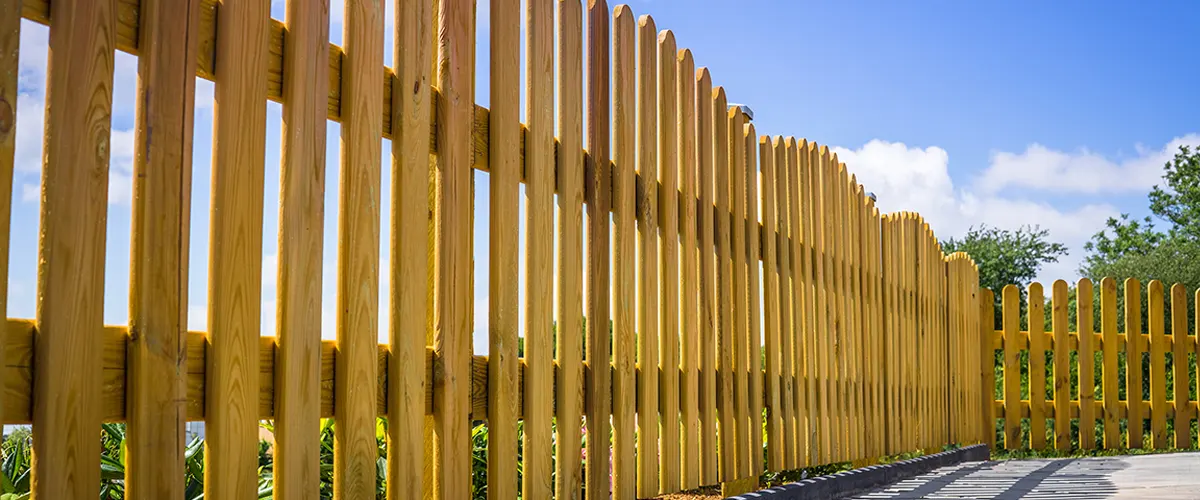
(623, 12)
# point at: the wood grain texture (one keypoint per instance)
(568, 483)
(355, 450)
(598, 192)
(71, 246)
(625, 253)
(539, 257)
(408, 381)
(987, 357)
(1182, 347)
(1135, 412)
(1158, 375)
(1062, 370)
(818, 162)
(648, 307)
(159, 261)
(668, 267)
(740, 292)
(708, 280)
(754, 390)
(1087, 364)
(1012, 368)
(503, 247)
(801, 295)
(727, 429)
(10, 40)
(452, 302)
(689, 387)
(1108, 329)
(1036, 319)
(776, 448)
(235, 251)
(301, 240)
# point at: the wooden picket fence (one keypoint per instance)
(1086, 414)
(868, 334)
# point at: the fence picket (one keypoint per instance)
(1108, 329)
(1012, 368)
(754, 242)
(783, 283)
(1062, 367)
(708, 281)
(1182, 347)
(625, 254)
(1085, 332)
(668, 211)
(1135, 412)
(1158, 376)
(1037, 366)
(822, 331)
(776, 449)
(802, 361)
(727, 429)
(648, 311)
(689, 285)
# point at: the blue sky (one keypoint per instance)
(1005, 113)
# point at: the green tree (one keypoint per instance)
(1007, 257)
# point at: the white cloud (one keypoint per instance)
(918, 179)
(1083, 171)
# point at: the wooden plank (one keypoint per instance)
(568, 477)
(1108, 328)
(297, 471)
(1087, 370)
(754, 308)
(625, 256)
(597, 190)
(1036, 319)
(413, 45)
(668, 231)
(157, 272)
(10, 51)
(537, 450)
(1012, 368)
(1158, 377)
(887, 307)
(819, 165)
(235, 248)
(1062, 366)
(741, 341)
(1182, 347)
(690, 351)
(648, 311)
(725, 365)
(854, 349)
(708, 281)
(776, 449)
(786, 346)
(70, 285)
(801, 240)
(355, 449)
(452, 255)
(1133, 364)
(837, 219)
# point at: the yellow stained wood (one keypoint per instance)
(854, 348)
(10, 40)
(1036, 319)
(776, 449)
(689, 363)
(825, 316)
(597, 190)
(355, 450)
(452, 210)
(1087, 370)
(71, 250)
(1108, 329)
(787, 320)
(1135, 412)
(625, 254)
(410, 248)
(1182, 347)
(1158, 376)
(648, 310)
(727, 429)
(1012, 368)
(888, 361)
(668, 231)
(708, 281)
(844, 441)
(741, 340)
(301, 238)
(158, 277)
(235, 262)
(1062, 367)
(568, 480)
(754, 309)
(539, 257)
(797, 154)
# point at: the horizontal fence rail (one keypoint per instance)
(702, 303)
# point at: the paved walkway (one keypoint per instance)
(1166, 476)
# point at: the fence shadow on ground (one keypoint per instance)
(1060, 479)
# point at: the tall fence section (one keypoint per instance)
(747, 306)
(1091, 381)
